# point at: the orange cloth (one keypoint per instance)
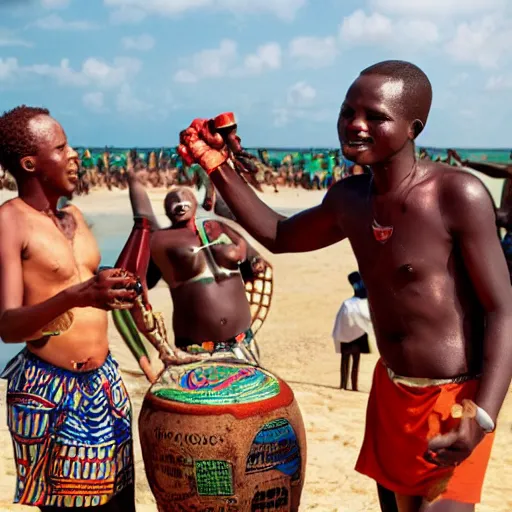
(399, 422)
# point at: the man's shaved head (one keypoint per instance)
(417, 89)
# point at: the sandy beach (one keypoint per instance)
(295, 343)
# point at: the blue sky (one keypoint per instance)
(136, 72)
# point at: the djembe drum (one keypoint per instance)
(223, 435)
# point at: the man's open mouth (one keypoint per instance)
(181, 209)
(359, 141)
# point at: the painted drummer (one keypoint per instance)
(206, 265)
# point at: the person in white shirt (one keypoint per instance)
(351, 328)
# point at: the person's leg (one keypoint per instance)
(356, 356)
(447, 506)
(122, 502)
(345, 361)
(408, 503)
(387, 499)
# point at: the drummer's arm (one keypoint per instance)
(493, 170)
(141, 207)
(139, 199)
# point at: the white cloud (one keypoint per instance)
(499, 83)
(485, 42)
(143, 43)
(105, 75)
(436, 8)
(283, 9)
(300, 99)
(63, 73)
(159, 7)
(127, 15)
(94, 72)
(377, 29)
(267, 56)
(223, 61)
(416, 32)
(56, 22)
(94, 101)
(128, 103)
(210, 63)
(185, 76)
(359, 28)
(8, 68)
(8, 38)
(284, 115)
(55, 4)
(301, 93)
(314, 52)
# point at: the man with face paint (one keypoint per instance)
(200, 262)
(440, 297)
(68, 411)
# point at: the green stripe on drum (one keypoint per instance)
(216, 384)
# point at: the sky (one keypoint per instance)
(136, 72)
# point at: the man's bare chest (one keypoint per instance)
(408, 245)
(59, 252)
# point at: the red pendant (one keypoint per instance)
(381, 233)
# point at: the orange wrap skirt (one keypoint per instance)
(400, 421)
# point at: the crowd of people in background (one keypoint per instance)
(316, 171)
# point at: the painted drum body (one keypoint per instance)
(223, 436)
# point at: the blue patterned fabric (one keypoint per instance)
(71, 432)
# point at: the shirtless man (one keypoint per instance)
(200, 262)
(424, 237)
(68, 411)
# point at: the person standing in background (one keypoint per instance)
(351, 328)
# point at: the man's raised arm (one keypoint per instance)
(307, 231)
(141, 207)
(491, 169)
(139, 199)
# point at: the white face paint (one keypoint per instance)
(181, 207)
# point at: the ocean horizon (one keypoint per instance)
(497, 155)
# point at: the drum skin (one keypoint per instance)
(223, 436)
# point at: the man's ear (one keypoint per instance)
(416, 128)
(28, 164)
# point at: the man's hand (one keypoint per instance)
(200, 144)
(453, 448)
(180, 357)
(107, 290)
(453, 154)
